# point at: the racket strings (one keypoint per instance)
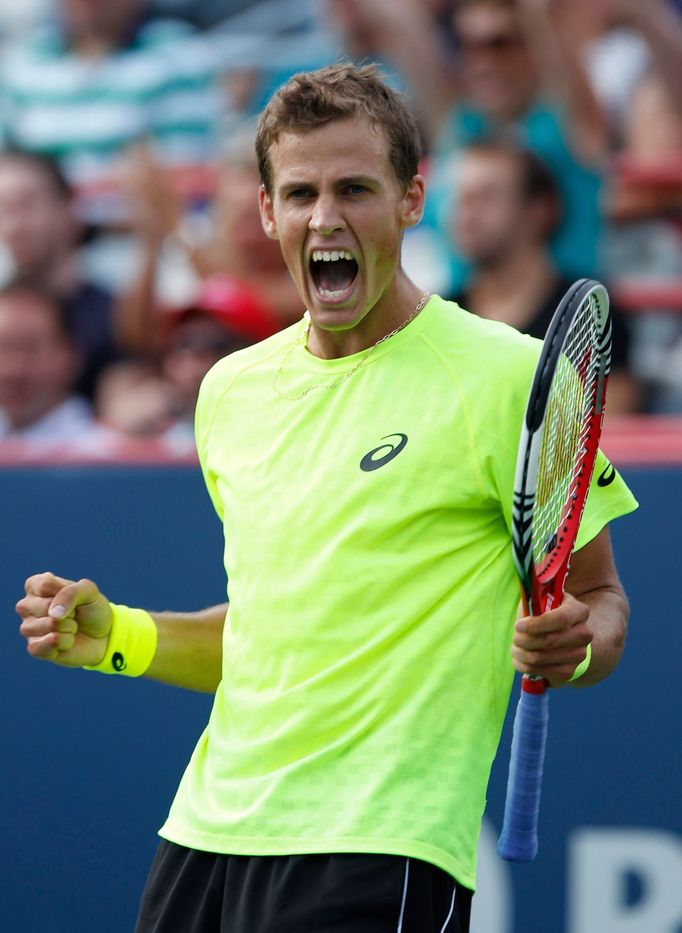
(567, 426)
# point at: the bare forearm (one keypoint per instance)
(414, 46)
(403, 33)
(661, 26)
(189, 649)
(608, 620)
(135, 325)
(562, 71)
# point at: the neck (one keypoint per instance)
(394, 309)
(511, 289)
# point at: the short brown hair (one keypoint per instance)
(312, 98)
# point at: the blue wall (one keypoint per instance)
(90, 764)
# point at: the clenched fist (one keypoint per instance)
(64, 621)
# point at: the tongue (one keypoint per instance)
(335, 276)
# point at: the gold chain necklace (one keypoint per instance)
(346, 376)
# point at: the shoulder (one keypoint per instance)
(475, 340)
(489, 365)
(253, 360)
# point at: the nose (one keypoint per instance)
(326, 217)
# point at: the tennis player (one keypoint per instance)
(362, 464)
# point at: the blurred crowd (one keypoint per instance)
(131, 252)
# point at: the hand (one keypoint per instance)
(553, 644)
(154, 205)
(64, 621)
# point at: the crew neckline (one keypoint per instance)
(302, 357)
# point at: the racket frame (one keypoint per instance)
(543, 587)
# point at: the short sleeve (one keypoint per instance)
(609, 497)
(203, 417)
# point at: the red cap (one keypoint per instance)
(235, 305)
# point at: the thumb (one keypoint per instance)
(73, 595)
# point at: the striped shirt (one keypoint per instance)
(159, 88)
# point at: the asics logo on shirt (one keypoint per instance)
(384, 453)
(607, 475)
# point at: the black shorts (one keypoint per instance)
(189, 891)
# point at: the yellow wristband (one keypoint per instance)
(132, 643)
(582, 667)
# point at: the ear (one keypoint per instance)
(412, 205)
(267, 214)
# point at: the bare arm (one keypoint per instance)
(595, 611)
(156, 212)
(68, 623)
(189, 651)
(560, 58)
(403, 32)
(661, 27)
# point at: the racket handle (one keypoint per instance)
(518, 840)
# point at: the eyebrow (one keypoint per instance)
(357, 180)
(339, 183)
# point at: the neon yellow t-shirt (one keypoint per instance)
(366, 652)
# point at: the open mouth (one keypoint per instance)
(333, 272)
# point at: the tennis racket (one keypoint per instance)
(557, 450)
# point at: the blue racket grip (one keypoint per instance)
(518, 840)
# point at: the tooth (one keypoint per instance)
(320, 255)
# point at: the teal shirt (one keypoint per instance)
(575, 245)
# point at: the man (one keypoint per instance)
(38, 362)
(38, 225)
(362, 465)
(507, 211)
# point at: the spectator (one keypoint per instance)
(508, 207)
(635, 61)
(636, 67)
(634, 57)
(102, 77)
(233, 243)
(238, 246)
(39, 228)
(515, 73)
(142, 400)
(37, 363)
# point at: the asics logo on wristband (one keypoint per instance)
(118, 662)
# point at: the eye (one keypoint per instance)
(356, 188)
(299, 194)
